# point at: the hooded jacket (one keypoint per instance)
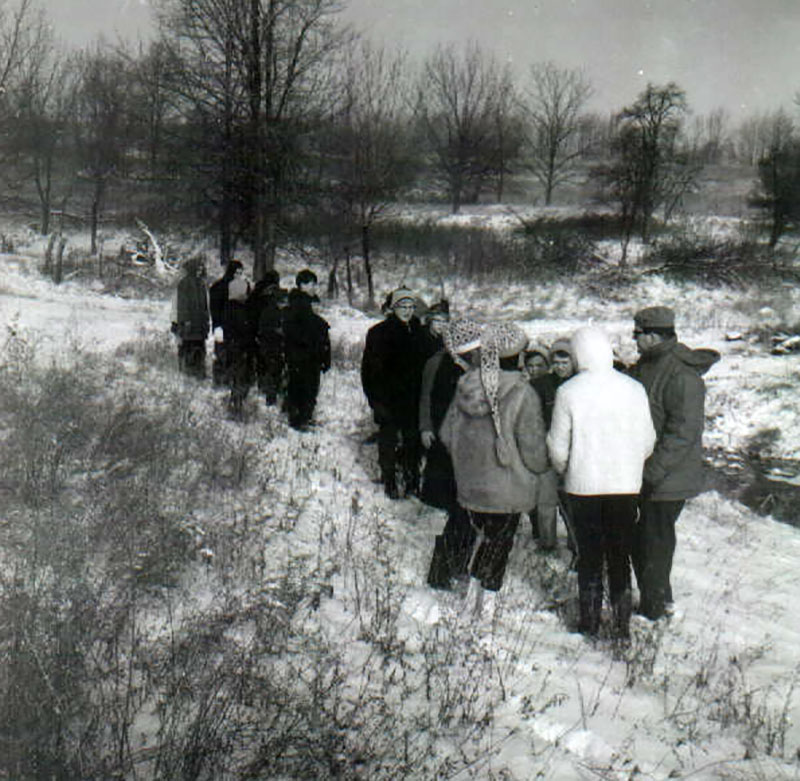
(601, 432)
(672, 376)
(484, 484)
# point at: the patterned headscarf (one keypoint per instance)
(501, 340)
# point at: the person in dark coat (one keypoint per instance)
(267, 303)
(671, 373)
(190, 318)
(218, 298)
(238, 336)
(391, 376)
(308, 349)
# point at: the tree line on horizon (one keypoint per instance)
(250, 117)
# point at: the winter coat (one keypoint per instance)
(306, 340)
(546, 387)
(601, 432)
(439, 379)
(671, 374)
(391, 370)
(483, 483)
(267, 314)
(190, 308)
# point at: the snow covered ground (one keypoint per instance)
(709, 694)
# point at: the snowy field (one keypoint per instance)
(709, 694)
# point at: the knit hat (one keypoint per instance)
(305, 277)
(562, 345)
(535, 348)
(401, 294)
(440, 309)
(655, 317)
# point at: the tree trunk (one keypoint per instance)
(365, 252)
(97, 199)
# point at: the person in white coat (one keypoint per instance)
(600, 436)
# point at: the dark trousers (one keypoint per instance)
(401, 443)
(220, 368)
(301, 394)
(241, 372)
(438, 481)
(490, 560)
(603, 528)
(192, 357)
(269, 367)
(653, 550)
(452, 548)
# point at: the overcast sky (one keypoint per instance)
(743, 55)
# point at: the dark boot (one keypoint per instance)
(439, 571)
(390, 488)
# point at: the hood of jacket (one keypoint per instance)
(700, 359)
(591, 349)
(471, 397)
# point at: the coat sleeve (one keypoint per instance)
(559, 439)
(447, 429)
(371, 368)
(684, 418)
(428, 376)
(530, 433)
(325, 345)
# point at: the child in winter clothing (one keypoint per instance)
(600, 437)
(495, 435)
(308, 349)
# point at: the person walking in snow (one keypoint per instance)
(267, 302)
(190, 314)
(391, 376)
(671, 374)
(308, 349)
(495, 435)
(600, 436)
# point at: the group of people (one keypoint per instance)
(263, 334)
(476, 420)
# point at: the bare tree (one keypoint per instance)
(101, 127)
(555, 99)
(254, 74)
(457, 107)
(650, 168)
(372, 150)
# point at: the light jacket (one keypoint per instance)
(601, 432)
(484, 484)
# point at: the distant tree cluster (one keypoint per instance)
(251, 117)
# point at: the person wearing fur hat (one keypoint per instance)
(190, 318)
(600, 436)
(495, 435)
(308, 349)
(391, 376)
(671, 374)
